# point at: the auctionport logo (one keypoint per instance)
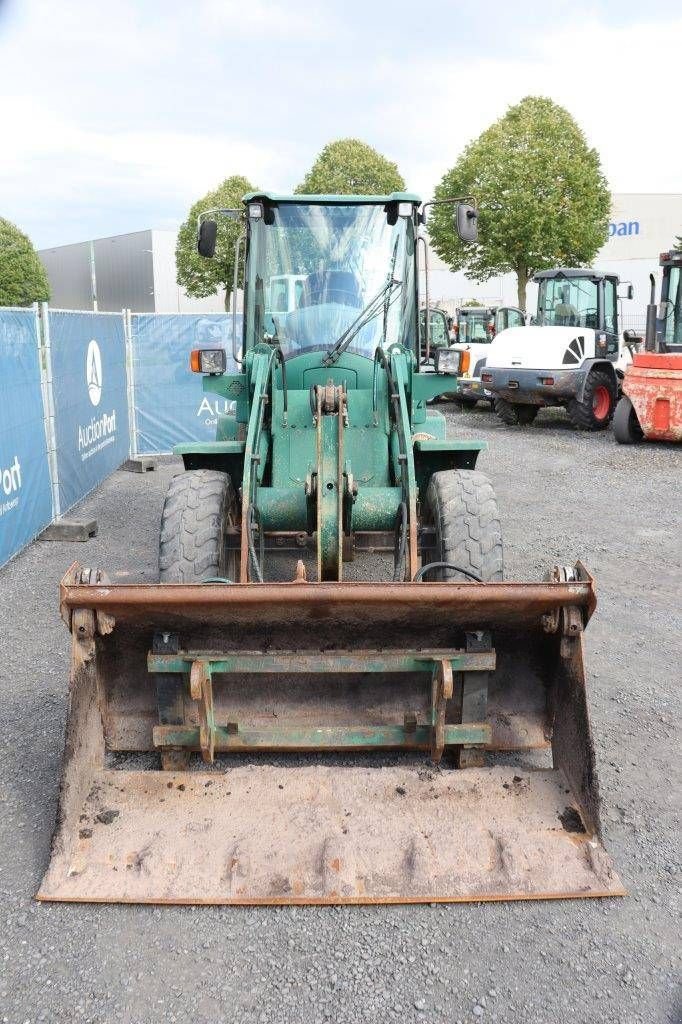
(10, 485)
(100, 432)
(93, 372)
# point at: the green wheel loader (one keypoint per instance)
(442, 711)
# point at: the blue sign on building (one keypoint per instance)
(623, 228)
(90, 400)
(25, 493)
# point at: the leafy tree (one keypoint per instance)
(22, 276)
(542, 197)
(351, 167)
(472, 302)
(201, 277)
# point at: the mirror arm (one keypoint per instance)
(450, 201)
(222, 212)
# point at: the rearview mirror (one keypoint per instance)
(466, 222)
(206, 238)
(630, 292)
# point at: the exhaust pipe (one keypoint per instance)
(650, 337)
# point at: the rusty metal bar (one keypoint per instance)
(322, 661)
(531, 597)
(331, 738)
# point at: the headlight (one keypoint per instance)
(446, 360)
(208, 360)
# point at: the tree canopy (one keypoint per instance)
(198, 276)
(22, 276)
(542, 197)
(351, 167)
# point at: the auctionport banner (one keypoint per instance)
(170, 406)
(90, 400)
(25, 495)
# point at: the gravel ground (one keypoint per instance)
(563, 496)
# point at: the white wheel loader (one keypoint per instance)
(475, 329)
(573, 355)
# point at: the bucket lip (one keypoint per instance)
(533, 598)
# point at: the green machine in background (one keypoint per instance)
(330, 446)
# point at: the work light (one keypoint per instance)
(446, 360)
(208, 360)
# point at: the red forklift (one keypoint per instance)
(651, 405)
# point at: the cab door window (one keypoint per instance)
(611, 315)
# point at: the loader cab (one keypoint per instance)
(570, 297)
(479, 324)
(475, 324)
(508, 316)
(669, 326)
(330, 279)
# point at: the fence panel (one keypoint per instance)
(169, 405)
(90, 402)
(25, 494)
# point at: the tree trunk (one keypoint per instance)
(522, 282)
(227, 298)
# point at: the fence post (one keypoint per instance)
(46, 387)
(130, 381)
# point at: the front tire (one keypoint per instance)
(626, 426)
(514, 415)
(199, 508)
(461, 507)
(596, 408)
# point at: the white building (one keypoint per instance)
(642, 226)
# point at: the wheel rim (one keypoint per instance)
(601, 402)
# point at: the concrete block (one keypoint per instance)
(143, 464)
(70, 530)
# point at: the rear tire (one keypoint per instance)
(626, 427)
(595, 410)
(460, 505)
(200, 505)
(514, 415)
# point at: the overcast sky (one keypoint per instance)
(116, 116)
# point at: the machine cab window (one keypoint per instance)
(572, 302)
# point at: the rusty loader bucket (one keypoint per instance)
(421, 706)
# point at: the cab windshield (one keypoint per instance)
(568, 303)
(354, 271)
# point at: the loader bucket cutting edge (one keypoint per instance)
(436, 670)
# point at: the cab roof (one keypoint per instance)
(568, 273)
(326, 200)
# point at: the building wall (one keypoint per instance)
(124, 265)
(134, 271)
(68, 271)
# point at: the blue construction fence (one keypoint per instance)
(80, 392)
